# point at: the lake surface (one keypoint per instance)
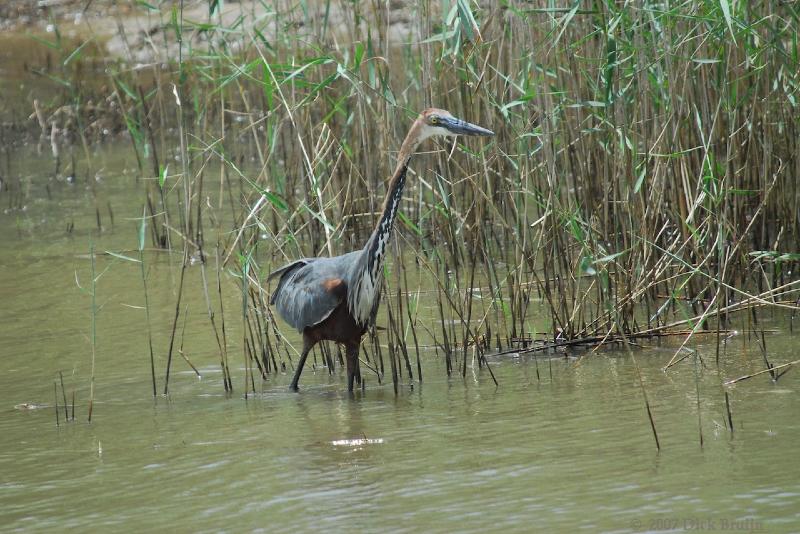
(563, 444)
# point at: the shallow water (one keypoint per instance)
(563, 444)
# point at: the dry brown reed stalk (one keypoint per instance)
(213, 319)
(93, 332)
(644, 394)
(728, 412)
(392, 351)
(183, 336)
(222, 343)
(770, 370)
(397, 319)
(411, 320)
(697, 362)
(64, 395)
(143, 273)
(176, 316)
(55, 401)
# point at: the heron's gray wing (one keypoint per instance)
(289, 267)
(309, 290)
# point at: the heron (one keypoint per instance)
(337, 298)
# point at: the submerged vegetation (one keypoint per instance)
(643, 180)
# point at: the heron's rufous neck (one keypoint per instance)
(394, 190)
(410, 144)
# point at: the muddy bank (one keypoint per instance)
(27, 15)
(60, 52)
(143, 34)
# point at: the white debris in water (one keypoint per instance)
(356, 442)
(25, 406)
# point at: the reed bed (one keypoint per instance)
(643, 180)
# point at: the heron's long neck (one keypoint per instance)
(375, 249)
(376, 245)
(365, 288)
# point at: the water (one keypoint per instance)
(570, 452)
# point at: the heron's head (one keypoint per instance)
(434, 122)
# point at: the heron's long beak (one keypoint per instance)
(459, 127)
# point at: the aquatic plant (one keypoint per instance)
(643, 181)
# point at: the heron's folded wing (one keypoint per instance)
(289, 267)
(308, 292)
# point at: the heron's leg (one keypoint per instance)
(308, 344)
(352, 365)
(358, 366)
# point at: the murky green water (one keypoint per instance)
(561, 445)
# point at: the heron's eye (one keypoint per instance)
(434, 120)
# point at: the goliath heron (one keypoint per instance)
(337, 298)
